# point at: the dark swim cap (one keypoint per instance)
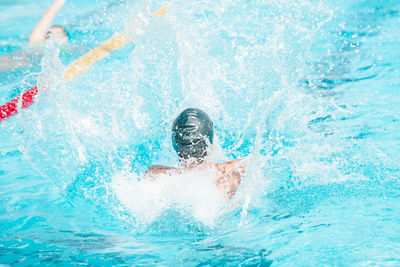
(192, 132)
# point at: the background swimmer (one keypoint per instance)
(43, 33)
(192, 138)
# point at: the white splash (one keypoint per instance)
(194, 193)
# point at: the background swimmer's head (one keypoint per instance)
(192, 133)
(56, 34)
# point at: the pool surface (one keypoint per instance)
(307, 90)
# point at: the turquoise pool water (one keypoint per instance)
(308, 90)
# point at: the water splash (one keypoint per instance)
(253, 67)
(192, 193)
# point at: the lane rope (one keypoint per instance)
(74, 69)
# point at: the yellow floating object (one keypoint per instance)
(161, 11)
(83, 63)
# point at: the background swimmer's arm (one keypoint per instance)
(158, 169)
(39, 32)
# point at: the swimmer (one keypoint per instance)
(192, 138)
(44, 32)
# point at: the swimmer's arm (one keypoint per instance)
(39, 32)
(158, 169)
(238, 170)
(241, 164)
(230, 175)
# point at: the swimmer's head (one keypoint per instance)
(56, 34)
(192, 133)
